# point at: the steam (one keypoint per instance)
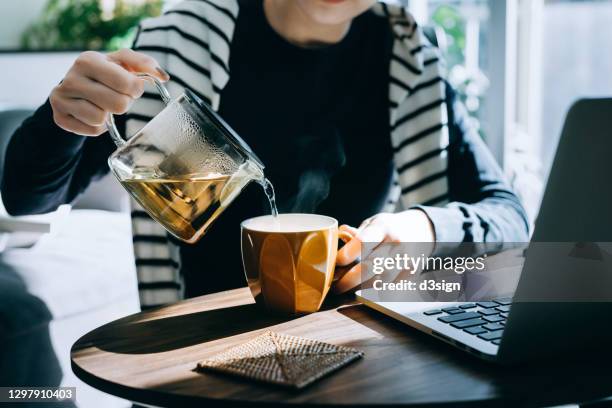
(323, 153)
(313, 189)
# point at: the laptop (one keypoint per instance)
(576, 208)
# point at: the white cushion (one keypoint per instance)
(104, 194)
(86, 263)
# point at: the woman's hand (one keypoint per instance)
(407, 226)
(98, 84)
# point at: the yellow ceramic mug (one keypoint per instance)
(289, 261)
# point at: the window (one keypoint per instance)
(527, 61)
(576, 61)
(563, 54)
(464, 24)
(462, 32)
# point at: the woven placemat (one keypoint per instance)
(281, 359)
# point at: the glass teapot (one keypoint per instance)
(185, 166)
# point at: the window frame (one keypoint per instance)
(500, 105)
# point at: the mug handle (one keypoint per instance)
(110, 119)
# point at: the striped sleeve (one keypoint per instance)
(419, 132)
(192, 43)
(157, 261)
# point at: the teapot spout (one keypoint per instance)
(256, 170)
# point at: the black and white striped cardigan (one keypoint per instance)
(192, 42)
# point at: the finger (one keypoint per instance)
(349, 280)
(71, 124)
(97, 67)
(349, 252)
(84, 111)
(347, 228)
(101, 95)
(371, 235)
(138, 62)
(355, 276)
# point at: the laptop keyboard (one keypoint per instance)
(486, 320)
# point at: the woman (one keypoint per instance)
(343, 100)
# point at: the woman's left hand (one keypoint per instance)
(407, 226)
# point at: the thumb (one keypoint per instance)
(348, 229)
(138, 62)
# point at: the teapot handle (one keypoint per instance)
(110, 119)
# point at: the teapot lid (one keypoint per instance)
(228, 132)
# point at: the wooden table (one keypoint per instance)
(149, 358)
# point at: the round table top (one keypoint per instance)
(150, 358)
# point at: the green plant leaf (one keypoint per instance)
(80, 24)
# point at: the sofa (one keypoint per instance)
(76, 278)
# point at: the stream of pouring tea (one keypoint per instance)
(269, 191)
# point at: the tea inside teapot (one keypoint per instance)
(187, 204)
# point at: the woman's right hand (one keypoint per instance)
(98, 84)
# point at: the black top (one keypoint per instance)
(318, 119)
(310, 116)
